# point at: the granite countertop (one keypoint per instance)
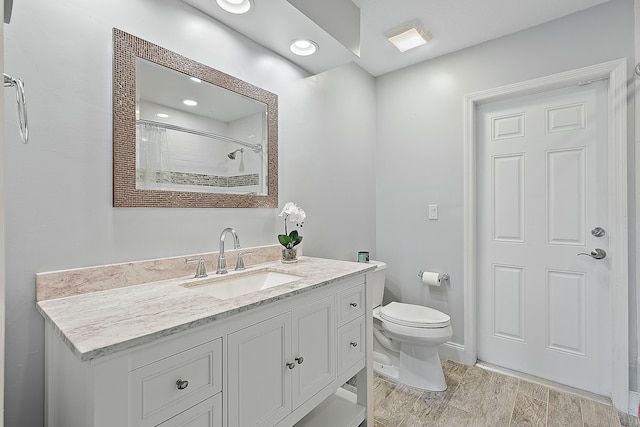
(104, 322)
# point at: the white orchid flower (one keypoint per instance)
(298, 216)
(288, 209)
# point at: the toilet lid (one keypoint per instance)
(416, 316)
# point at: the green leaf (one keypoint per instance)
(284, 239)
(295, 237)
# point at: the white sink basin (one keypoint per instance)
(236, 285)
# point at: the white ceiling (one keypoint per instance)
(453, 24)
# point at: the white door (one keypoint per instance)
(542, 189)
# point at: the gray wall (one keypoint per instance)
(420, 136)
(59, 212)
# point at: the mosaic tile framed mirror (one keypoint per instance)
(186, 135)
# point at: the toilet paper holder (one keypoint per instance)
(441, 276)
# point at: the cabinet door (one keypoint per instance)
(259, 382)
(313, 348)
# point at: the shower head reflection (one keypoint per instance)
(232, 155)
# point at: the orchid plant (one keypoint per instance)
(293, 213)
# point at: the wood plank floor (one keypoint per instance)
(480, 398)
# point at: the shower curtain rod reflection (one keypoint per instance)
(255, 147)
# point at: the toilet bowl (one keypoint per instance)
(406, 339)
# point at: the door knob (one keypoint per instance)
(596, 254)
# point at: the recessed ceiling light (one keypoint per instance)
(303, 47)
(195, 79)
(409, 38)
(162, 115)
(236, 6)
(190, 102)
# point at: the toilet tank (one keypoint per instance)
(377, 277)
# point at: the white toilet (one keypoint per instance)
(406, 339)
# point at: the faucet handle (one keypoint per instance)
(240, 263)
(201, 270)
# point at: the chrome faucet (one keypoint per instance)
(201, 270)
(240, 262)
(222, 262)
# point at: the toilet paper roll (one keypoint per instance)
(430, 278)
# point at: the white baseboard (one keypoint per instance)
(634, 402)
(452, 351)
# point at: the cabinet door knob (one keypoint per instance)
(182, 384)
(354, 304)
(354, 344)
(291, 365)
(300, 360)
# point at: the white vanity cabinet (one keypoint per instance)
(173, 382)
(280, 364)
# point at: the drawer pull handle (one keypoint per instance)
(300, 360)
(354, 344)
(354, 304)
(182, 384)
(291, 365)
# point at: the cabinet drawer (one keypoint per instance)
(351, 344)
(350, 304)
(204, 414)
(154, 390)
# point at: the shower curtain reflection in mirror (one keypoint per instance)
(153, 161)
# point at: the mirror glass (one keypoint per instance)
(187, 135)
(195, 136)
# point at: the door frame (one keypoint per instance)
(2, 232)
(616, 72)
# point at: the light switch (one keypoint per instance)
(433, 211)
